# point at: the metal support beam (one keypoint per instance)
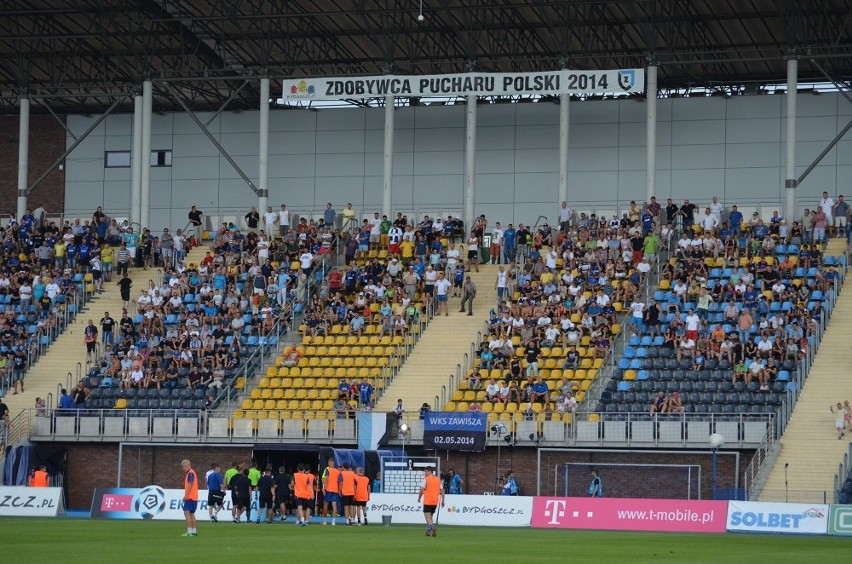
(23, 156)
(564, 100)
(74, 145)
(228, 101)
(263, 147)
(841, 87)
(212, 139)
(651, 132)
(470, 163)
(790, 183)
(136, 155)
(387, 174)
(56, 117)
(145, 155)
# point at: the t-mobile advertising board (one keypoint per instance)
(757, 517)
(622, 514)
(29, 502)
(473, 510)
(152, 502)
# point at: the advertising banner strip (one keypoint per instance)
(548, 83)
(465, 510)
(796, 518)
(462, 431)
(29, 502)
(150, 502)
(840, 520)
(623, 514)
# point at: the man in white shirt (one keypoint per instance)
(496, 243)
(564, 217)
(453, 255)
(270, 218)
(709, 221)
(502, 284)
(442, 286)
(716, 208)
(637, 312)
(375, 231)
(306, 260)
(827, 205)
(283, 221)
(686, 348)
(692, 324)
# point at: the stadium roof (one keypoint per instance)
(80, 55)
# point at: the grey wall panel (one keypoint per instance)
(403, 163)
(239, 122)
(439, 162)
(339, 189)
(292, 121)
(438, 189)
(495, 137)
(632, 135)
(248, 164)
(83, 194)
(291, 165)
(340, 142)
(753, 184)
(821, 178)
(844, 152)
(340, 164)
(591, 186)
(495, 188)
(807, 151)
(592, 111)
(240, 143)
(815, 129)
(743, 130)
(494, 115)
(631, 111)
(79, 124)
(161, 141)
(183, 124)
(810, 105)
(191, 145)
(161, 125)
(376, 119)
(194, 192)
(374, 163)
(403, 141)
(537, 160)
(592, 159)
(754, 107)
(404, 118)
(500, 211)
(439, 139)
(495, 162)
(537, 136)
(340, 119)
(697, 185)
(536, 114)
(116, 195)
(117, 175)
(528, 212)
(692, 109)
(118, 124)
(593, 135)
(664, 158)
(402, 196)
(373, 140)
(428, 117)
(742, 155)
(631, 186)
(698, 156)
(698, 132)
(85, 169)
(190, 168)
(296, 193)
(293, 143)
(91, 148)
(630, 159)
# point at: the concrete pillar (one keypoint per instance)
(387, 174)
(145, 156)
(263, 148)
(470, 163)
(23, 156)
(563, 147)
(790, 161)
(136, 171)
(651, 133)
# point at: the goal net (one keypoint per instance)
(667, 481)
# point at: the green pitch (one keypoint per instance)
(86, 540)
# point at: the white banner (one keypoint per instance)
(468, 510)
(795, 518)
(153, 502)
(479, 84)
(29, 502)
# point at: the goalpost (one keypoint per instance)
(667, 481)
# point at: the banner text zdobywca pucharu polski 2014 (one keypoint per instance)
(478, 84)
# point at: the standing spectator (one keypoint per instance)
(125, 284)
(124, 258)
(509, 239)
(496, 243)
(840, 210)
(820, 221)
(735, 218)
(194, 217)
(468, 295)
(167, 247)
(442, 287)
(473, 250)
(826, 204)
(564, 217)
(283, 221)
(252, 219)
(596, 486)
(839, 419)
(270, 218)
(329, 215)
(456, 485)
(4, 420)
(510, 486)
(190, 496)
(90, 337)
(348, 217)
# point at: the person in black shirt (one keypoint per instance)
(532, 352)
(241, 495)
(124, 284)
(282, 491)
(194, 217)
(79, 395)
(671, 210)
(687, 210)
(266, 488)
(252, 218)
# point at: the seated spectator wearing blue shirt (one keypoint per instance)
(540, 391)
(365, 394)
(344, 389)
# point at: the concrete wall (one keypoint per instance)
(730, 147)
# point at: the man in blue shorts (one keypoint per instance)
(190, 497)
(215, 491)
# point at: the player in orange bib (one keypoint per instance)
(331, 491)
(303, 489)
(362, 495)
(432, 494)
(190, 497)
(347, 493)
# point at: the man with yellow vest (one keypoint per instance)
(190, 498)
(331, 491)
(39, 477)
(303, 490)
(362, 495)
(432, 494)
(347, 493)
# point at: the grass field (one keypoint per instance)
(86, 540)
